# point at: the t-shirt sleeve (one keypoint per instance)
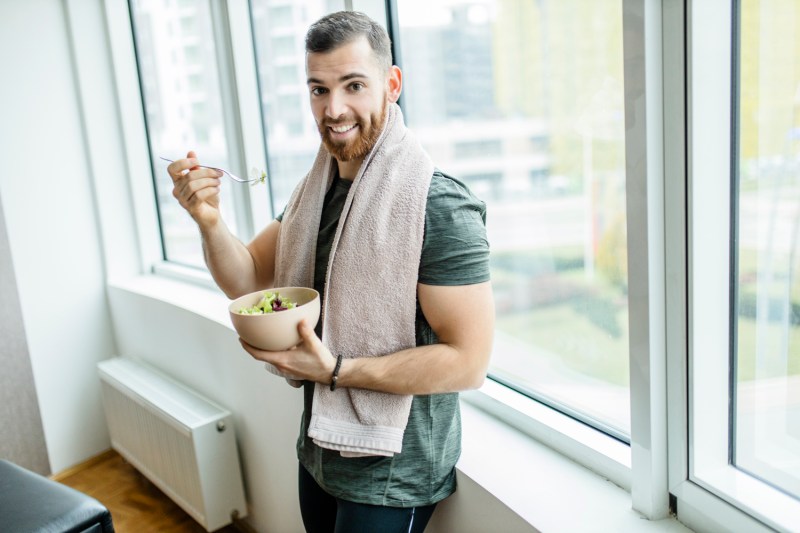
(455, 250)
(279, 218)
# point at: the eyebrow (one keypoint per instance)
(344, 78)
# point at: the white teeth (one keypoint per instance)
(342, 129)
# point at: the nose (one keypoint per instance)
(336, 105)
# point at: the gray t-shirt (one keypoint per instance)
(455, 251)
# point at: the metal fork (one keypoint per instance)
(231, 175)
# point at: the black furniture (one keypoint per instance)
(31, 503)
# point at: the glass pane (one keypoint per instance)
(523, 101)
(767, 422)
(279, 28)
(183, 107)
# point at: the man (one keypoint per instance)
(353, 90)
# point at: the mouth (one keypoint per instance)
(342, 130)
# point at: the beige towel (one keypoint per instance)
(371, 280)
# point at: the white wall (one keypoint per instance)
(52, 228)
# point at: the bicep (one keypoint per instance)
(461, 315)
(262, 248)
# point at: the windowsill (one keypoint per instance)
(190, 295)
(546, 489)
(536, 482)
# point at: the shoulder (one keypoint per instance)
(447, 193)
(455, 249)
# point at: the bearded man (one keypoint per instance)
(397, 250)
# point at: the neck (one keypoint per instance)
(349, 169)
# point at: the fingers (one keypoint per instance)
(189, 191)
(193, 194)
(180, 169)
(195, 185)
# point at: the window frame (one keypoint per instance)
(134, 132)
(644, 178)
(710, 491)
(244, 134)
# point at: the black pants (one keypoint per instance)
(322, 513)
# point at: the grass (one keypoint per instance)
(572, 337)
(584, 324)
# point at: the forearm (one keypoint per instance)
(229, 261)
(459, 361)
(433, 369)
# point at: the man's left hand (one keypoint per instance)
(309, 360)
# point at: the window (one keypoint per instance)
(183, 106)
(766, 441)
(292, 137)
(281, 16)
(520, 100)
(285, 47)
(482, 148)
(743, 218)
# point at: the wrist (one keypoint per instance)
(209, 226)
(335, 374)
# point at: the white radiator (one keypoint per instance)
(182, 442)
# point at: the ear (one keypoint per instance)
(394, 83)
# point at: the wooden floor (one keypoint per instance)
(136, 505)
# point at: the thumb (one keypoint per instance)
(307, 333)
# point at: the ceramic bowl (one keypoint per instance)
(278, 330)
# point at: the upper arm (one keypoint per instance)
(462, 316)
(262, 248)
(454, 291)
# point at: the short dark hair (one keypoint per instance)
(344, 27)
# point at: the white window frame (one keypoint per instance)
(710, 492)
(644, 175)
(143, 193)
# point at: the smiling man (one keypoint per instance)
(398, 252)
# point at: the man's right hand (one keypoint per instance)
(197, 189)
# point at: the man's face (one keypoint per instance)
(349, 94)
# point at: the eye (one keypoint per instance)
(318, 91)
(356, 86)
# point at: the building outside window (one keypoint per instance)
(483, 78)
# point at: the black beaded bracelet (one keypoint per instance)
(335, 376)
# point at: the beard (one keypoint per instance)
(357, 148)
